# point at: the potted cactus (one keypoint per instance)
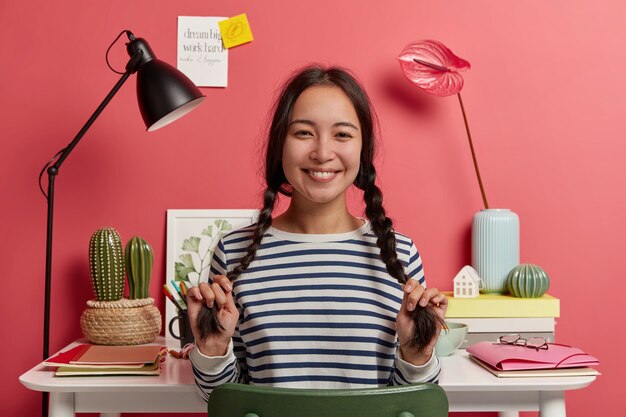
(111, 319)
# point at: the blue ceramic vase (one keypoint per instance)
(495, 247)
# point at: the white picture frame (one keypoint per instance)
(191, 238)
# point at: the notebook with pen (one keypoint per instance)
(506, 357)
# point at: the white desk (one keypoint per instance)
(468, 386)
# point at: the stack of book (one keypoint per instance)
(489, 316)
(88, 360)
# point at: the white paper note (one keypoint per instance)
(201, 53)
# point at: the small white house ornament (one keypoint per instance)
(467, 283)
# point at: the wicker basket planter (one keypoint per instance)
(123, 322)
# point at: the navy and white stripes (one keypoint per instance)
(317, 311)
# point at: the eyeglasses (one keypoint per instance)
(515, 339)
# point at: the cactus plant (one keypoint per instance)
(139, 260)
(106, 264)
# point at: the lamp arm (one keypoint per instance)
(67, 150)
(131, 68)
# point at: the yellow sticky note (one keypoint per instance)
(235, 31)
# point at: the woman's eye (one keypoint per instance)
(343, 135)
(303, 133)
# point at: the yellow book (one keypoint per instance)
(147, 369)
(498, 305)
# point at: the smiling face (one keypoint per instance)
(321, 154)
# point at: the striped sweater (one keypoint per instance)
(316, 311)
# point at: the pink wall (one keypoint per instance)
(545, 100)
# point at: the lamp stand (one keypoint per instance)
(164, 94)
(53, 171)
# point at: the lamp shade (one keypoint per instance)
(164, 93)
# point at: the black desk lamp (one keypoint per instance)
(164, 94)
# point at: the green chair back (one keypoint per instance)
(240, 400)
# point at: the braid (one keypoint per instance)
(264, 222)
(424, 318)
(207, 319)
(382, 226)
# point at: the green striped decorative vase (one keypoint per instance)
(528, 281)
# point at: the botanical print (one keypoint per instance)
(195, 255)
(192, 236)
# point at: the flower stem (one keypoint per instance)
(469, 137)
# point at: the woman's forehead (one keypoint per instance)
(324, 103)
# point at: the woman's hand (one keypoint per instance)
(205, 296)
(415, 294)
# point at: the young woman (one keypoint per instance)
(316, 297)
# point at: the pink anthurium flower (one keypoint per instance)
(433, 67)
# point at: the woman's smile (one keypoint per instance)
(322, 176)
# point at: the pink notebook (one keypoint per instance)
(510, 357)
